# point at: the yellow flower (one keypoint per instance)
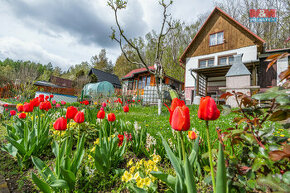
(136, 175)
(130, 163)
(95, 103)
(97, 141)
(282, 135)
(156, 158)
(18, 105)
(140, 183)
(132, 169)
(93, 149)
(127, 176)
(147, 181)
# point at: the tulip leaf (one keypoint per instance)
(189, 177)
(167, 178)
(221, 179)
(59, 184)
(174, 161)
(194, 153)
(137, 190)
(69, 177)
(78, 157)
(17, 145)
(44, 170)
(44, 187)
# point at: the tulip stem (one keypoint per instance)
(182, 145)
(210, 157)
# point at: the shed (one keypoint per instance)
(106, 76)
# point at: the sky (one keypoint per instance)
(68, 32)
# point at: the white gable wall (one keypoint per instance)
(249, 54)
(282, 65)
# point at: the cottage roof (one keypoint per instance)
(106, 76)
(221, 12)
(137, 71)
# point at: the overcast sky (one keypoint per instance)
(67, 32)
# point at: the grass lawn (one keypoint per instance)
(146, 117)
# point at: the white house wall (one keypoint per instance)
(249, 54)
(282, 65)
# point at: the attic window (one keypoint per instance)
(216, 38)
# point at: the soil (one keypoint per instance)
(17, 180)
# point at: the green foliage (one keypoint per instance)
(67, 164)
(107, 154)
(184, 179)
(27, 138)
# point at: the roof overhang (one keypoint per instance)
(216, 71)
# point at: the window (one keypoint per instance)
(143, 81)
(206, 63)
(226, 60)
(216, 38)
(148, 81)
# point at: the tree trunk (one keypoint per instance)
(158, 81)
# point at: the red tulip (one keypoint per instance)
(60, 124)
(175, 103)
(51, 96)
(180, 118)
(35, 102)
(53, 102)
(22, 116)
(28, 107)
(86, 102)
(12, 112)
(111, 117)
(192, 135)
(79, 117)
(46, 97)
(208, 109)
(101, 114)
(104, 104)
(126, 109)
(45, 105)
(20, 108)
(62, 102)
(5, 105)
(71, 112)
(121, 139)
(41, 98)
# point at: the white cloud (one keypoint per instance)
(67, 32)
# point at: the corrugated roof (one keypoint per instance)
(49, 84)
(136, 71)
(105, 76)
(238, 68)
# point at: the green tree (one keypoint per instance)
(101, 62)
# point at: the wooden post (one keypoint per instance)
(205, 86)
(254, 75)
(197, 84)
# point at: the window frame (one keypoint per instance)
(216, 33)
(225, 56)
(206, 59)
